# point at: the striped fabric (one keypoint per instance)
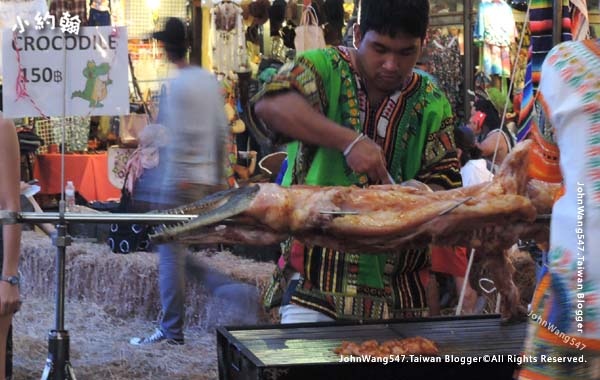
(546, 337)
(540, 25)
(540, 17)
(525, 113)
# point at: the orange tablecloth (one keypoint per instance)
(89, 173)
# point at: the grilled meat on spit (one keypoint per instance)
(374, 219)
(490, 217)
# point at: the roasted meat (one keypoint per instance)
(409, 346)
(352, 219)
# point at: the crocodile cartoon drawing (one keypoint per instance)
(95, 88)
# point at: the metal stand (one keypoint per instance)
(58, 366)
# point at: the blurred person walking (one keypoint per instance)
(193, 163)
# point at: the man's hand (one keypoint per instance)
(10, 300)
(367, 157)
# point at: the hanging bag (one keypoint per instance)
(128, 237)
(309, 34)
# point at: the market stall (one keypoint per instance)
(244, 43)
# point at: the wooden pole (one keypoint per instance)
(557, 6)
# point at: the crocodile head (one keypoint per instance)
(210, 210)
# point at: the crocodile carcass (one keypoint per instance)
(374, 219)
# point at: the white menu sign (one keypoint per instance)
(53, 73)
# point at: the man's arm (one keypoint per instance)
(290, 114)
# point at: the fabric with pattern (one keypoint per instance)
(228, 41)
(540, 25)
(566, 303)
(446, 66)
(414, 127)
(74, 7)
(496, 28)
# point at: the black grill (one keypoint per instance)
(305, 351)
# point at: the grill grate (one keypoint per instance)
(463, 336)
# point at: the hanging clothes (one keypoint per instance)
(334, 10)
(446, 66)
(541, 18)
(277, 17)
(74, 7)
(117, 13)
(99, 13)
(580, 20)
(227, 39)
(496, 28)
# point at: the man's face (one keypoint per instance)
(386, 62)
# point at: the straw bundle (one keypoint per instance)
(127, 285)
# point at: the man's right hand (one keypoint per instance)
(368, 158)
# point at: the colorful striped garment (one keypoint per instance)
(540, 25)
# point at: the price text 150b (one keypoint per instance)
(37, 74)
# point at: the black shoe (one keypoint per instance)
(157, 337)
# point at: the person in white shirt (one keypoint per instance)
(473, 167)
(194, 116)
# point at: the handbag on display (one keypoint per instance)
(130, 127)
(309, 34)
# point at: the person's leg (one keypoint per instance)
(171, 281)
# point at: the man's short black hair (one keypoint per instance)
(390, 17)
(174, 37)
(176, 52)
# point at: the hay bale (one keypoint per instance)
(127, 285)
(99, 347)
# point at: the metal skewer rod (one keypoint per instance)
(35, 217)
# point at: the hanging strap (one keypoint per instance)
(309, 16)
(137, 90)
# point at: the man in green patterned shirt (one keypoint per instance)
(359, 116)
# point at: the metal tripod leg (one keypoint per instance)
(58, 366)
